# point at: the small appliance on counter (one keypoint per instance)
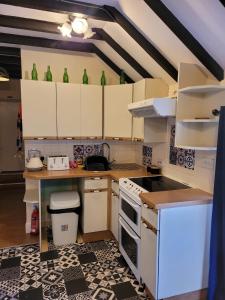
(58, 163)
(34, 161)
(96, 163)
(155, 170)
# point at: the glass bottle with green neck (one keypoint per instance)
(85, 77)
(49, 74)
(65, 76)
(34, 74)
(103, 79)
(122, 77)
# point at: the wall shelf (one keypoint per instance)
(197, 147)
(200, 120)
(202, 89)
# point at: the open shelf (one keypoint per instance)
(202, 89)
(197, 147)
(200, 120)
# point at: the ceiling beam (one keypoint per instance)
(123, 53)
(142, 41)
(64, 6)
(9, 51)
(223, 2)
(61, 45)
(34, 25)
(10, 60)
(111, 64)
(186, 37)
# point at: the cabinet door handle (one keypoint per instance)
(97, 191)
(96, 178)
(150, 227)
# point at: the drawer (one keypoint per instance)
(95, 183)
(115, 186)
(151, 215)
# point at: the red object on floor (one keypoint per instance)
(35, 221)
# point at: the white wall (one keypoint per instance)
(58, 60)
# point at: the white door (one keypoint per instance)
(149, 258)
(68, 110)
(138, 123)
(94, 216)
(38, 108)
(117, 119)
(91, 111)
(115, 216)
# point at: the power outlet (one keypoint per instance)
(207, 163)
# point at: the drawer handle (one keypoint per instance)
(150, 227)
(114, 194)
(96, 191)
(96, 178)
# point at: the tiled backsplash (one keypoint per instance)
(147, 155)
(178, 156)
(82, 151)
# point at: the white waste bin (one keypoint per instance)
(64, 208)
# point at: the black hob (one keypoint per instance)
(158, 183)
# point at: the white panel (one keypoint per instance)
(39, 108)
(91, 111)
(115, 216)
(68, 110)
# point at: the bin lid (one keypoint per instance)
(63, 200)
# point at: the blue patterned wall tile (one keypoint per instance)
(173, 155)
(147, 155)
(80, 152)
(189, 162)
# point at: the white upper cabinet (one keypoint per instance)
(117, 119)
(39, 109)
(145, 89)
(91, 111)
(68, 110)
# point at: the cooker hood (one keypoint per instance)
(153, 108)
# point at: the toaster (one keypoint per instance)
(58, 163)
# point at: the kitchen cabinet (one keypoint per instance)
(94, 216)
(115, 209)
(68, 110)
(145, 89)
(198, 96)
(175, 249)
(117, 119)
(95, 183)
(39, 109)
(91, 111)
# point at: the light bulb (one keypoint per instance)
(80, 25)
(65, 29)
(88, 34)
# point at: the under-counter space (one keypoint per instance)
(184, 197)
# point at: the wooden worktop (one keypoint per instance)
(80, 172)
(175, 198)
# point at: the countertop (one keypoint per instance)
(175, 198)
(80, 172)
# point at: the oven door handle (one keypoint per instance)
(129, 202)
(123, 224)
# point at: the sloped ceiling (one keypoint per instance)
(204, 19)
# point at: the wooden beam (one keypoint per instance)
(64, 7)
(142, 41)
(34, 25)
(10, 60)
(111, 64)
(10, 51)
(223, 2)
(186, 37)
(14, 71)
(62, 45)
(123, 53)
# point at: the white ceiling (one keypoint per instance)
(205, 19)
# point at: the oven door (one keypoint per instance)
(130, 211)
(130, 247)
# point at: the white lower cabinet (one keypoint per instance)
(94, 217)
(115, 216)
(175, 258)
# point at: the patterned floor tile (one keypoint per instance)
(10, 288)
(9, 273)
(103, 294)
(106, 254)
(52, 277)
(99, 280)
(32, 259)
(49, 265)
(30, 282)
(81, 296)
(92, 268)
(76, 286)
(34, 294)
(124, 290)
(118, 276)
(73, 273)
(55, 291)
(30, 249)
(10, 262)
(87, 258)
(49, 255)
(70, 260)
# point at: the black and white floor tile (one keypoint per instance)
(73, 272)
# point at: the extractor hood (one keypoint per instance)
(153, 108)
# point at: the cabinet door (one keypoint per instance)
(94, 211)
(38, 109)
(117, 119)
(91, 111)
(138, 123)
(115, 216)
(149, 258)
(68, 110)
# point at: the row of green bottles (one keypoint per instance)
(48, 76)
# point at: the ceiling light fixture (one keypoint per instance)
(3, 75)
(79, 25)
(66, 29)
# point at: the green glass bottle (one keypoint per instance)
(122, 77)
(103, 79)
(65, 76)
(85, 77)
(49, 74)
(34, 74)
